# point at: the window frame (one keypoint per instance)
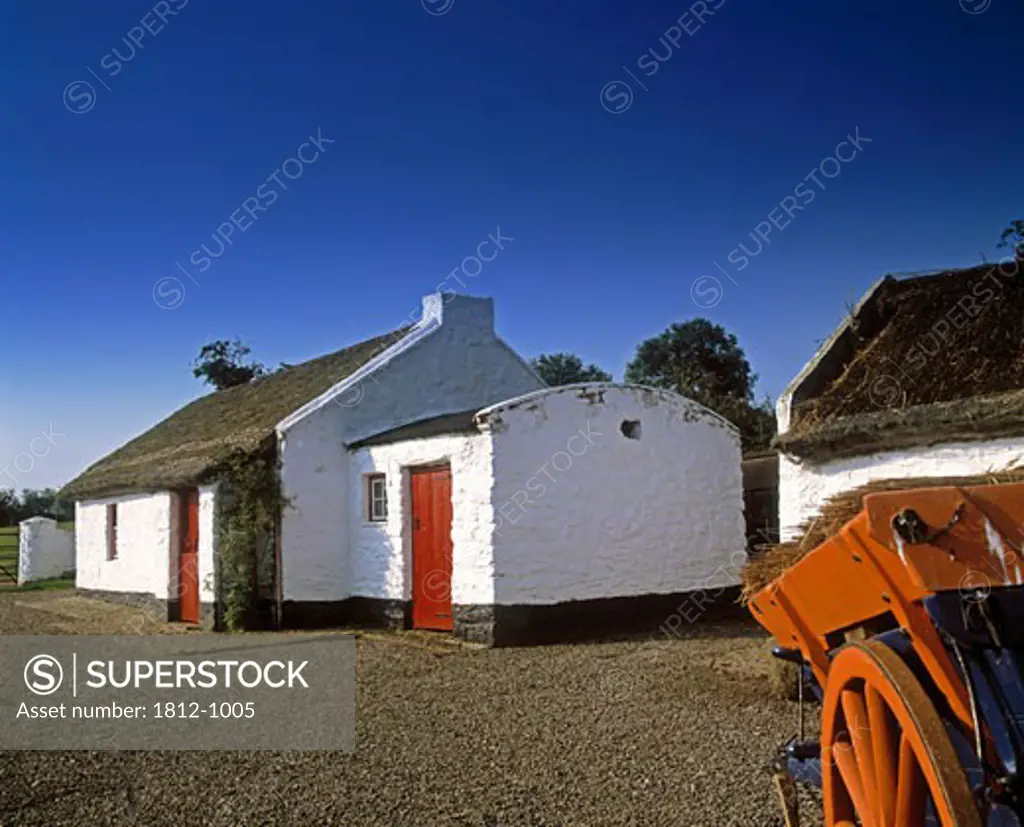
(111, 531)
(372, 500)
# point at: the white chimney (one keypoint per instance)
(463, 311)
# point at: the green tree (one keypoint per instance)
(567, 369)
(223, 364)
(757, 424)
(1013, 236)
(701, 361)
(43, 502)
(10, 507)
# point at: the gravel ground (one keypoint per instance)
(635, 732)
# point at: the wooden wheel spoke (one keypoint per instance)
(860, 736)
(839, 808)
(846, 761)
(910, 794)
(883, 747)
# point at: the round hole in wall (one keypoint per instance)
(630, 428)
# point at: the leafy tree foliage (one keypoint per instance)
(1013, 237)
(567, 369)
(701, 361)
(247, 523)
(10, 507)
(757, 424)
(44, 503)
(223, 364)
(33, 503)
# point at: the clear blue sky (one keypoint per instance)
(446, 126)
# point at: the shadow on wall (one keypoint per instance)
(761, 501)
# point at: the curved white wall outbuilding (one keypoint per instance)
(562, 499)
(603, 490)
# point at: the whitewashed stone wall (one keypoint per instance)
(207, 543)
(148, 544)
(44, 550)
(381, 565)
(452, 362)
(805, 486)
(315, 523)
(144, 531)
(582, 511)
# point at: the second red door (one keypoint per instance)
(188, 560)
(431, 490)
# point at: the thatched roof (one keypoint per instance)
(934, 358)
(186, 447)
(968, 420)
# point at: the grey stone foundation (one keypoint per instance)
(475, 623)
(355, 611)
(517, 625)
(580, 620)
(160, 608)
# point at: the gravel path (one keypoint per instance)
(640, 732)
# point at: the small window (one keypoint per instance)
(377, 498)
(630, 428)
(112, 531)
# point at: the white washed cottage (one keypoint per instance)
(431, 481)
(922, 380)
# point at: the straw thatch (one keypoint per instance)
(837, 512)
(186, 447)
(967, 420)
(918, 349)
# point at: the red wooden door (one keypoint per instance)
(432, 548)
(188, 560)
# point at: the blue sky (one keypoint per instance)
(450, 119)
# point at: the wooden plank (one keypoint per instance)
(785, 790)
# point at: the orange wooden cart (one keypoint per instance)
(908, 626)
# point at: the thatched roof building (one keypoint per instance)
(425, 479)
(920, 358)
(924, 378)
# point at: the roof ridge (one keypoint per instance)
(308, 362)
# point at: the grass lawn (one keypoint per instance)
(9, 531)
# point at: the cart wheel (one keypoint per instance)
(886, 758)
